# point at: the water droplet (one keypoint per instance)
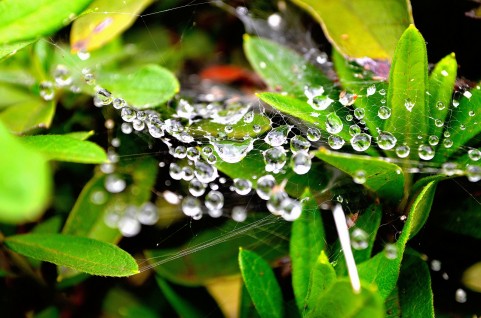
(98, 197)
(449, 168)
(47, 91)
(265, 184)
(180, 152)
(207, 150)
(473, 173)
(129, 226)
(447, 134)
(474, 154)
(359, 113)
(126, 128)
(471, 113)
(425, 152)
(239, 213)
(339, 198)
(274, 203)
(187, 173)
(335, 142)
(438, 123)
(128, 114)
(390, 251)
(320, 102)
(191, 206)
(175, 171)
(347, 99)
(321, 58)
(256, 128)
(382, 92)
(361, 142)
(301, 162)
(205, 172)
(242, 186)
(467, 94)
(299, 143)
(440, 105)
(233, 151)
(409, 104)
(371, 90)
(436, 265)
(148, 214)
(138, 124)
(403, 151)
(89, 78)
(249, 117)
(62, 76)
(192, 153)
(333, 123)
(386, 140)
(433, 140)
(277, 136)
(447, 143)
(114, 183)
(462, 127)
(455, 103)
(354, 130)
(119, 103)
(460, 296)
(313, 134)
(155, 128)
(262, 65)
(215, 213)
(359, 177)
(349, 117)
(291, 209)
(214, 200)
(83, 55)
(359, 239)
(275, 159)
(196, 187)
(384, 112)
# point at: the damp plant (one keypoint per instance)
(296, 190)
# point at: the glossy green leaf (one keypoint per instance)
(281, 68)
(340, 301)
(26, 116)
(104, 21)
(24, 181)
(383, 178)
(307, 242)
(80, 253)
(302, 110)
(368, 28)
(149, 86)
(261, 283)
(18, 18)
(213, 252)
(240, 129)
(441, 87)
(393, 308)
(247, 308)
(384, 271)
(425, 195)
(80, 135)
(408, 82)
(7, 50)
(415, 294)
(322, 277)
(65, 148)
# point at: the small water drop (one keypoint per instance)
(361, 142)
(301, 163)
(291, 209)
(426, 152)
(277, 136)
(382, 92)
(436, 265)
(471, 113)
(447, 143)
(403, 151)
(148, 214)
(191, 206)
(275, 201)
(187, 173)
(192, 153)
(449, 168)
(196, 187)
(335, 142)
(359, 239)
(438, 123)
(359, 177)
(205, 172)
(242, 186)
(474, 154)
(62, 76)
(119, 103)
(129, 226)
(175, 171)
(384, 112)
(359, 113)
(334, 124)
(98, 197)
(390, 251)
(473, 173)
(128, 114)
(347, 99)
(440, 105)
(433, 140)
(114, 183)
(371, 90)
(299, 143)
(265, 184)
(409, 104)
(460, 296)
(138, 125)
(349, 117)
(180, 152)
(126, 128)
(89, 78)
(249, 117)
(47, 91)
(275, 159)
(83, 55)
(467, 94)
(256, 128)
(239, 214)
(354, 130)
(455, 103)
(233, 151)
(320, 102)
(386, 140)
(214, 200)
(313, 134)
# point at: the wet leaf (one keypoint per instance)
(408, 82)
(369, 29)
(322, 277)
(384, 271)
(26, 116)
(261, 283)
(80, 135)
(13, 94)
(425, 194)
(340, 301)
(307, 242)
(24, 181)
(80, 253)
(239, 130)
(149, 86)
(415, 294)
(385, 179)
(7, 50)
(105, 21)
(441, 87)
(15, 15)
(65, 148)
(281, 68)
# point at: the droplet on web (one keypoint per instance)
(291, 209)
(83, 55)
(62, 76)
(148, 214)
(361, 142)
(359, 113)
(249, 117)
(334, 124)
(359, 177)
(114, 183)
(275, 159)
(242, 186)
(233, 151)
(191, 206)
(384, 112)
(119, 103)
(426, 152)
(449, 168)
(359, 239)
(390, 251)
(438, 123)
(129, 226)
(175, 171)
(447, 143)
(126, 128)
(313, 134)
(386, 140)
(403, 151)
(474, 154)
(180, 152)
(128, 114)
(196, 187)
(409, 104)
(433, 140)
(473, 173)
(371, 90)
(239, 213)
(354, 130)
(265, 184)
(460, 296)
(299, 143)
(275, 201)
(277, 136)
(301, 163)
(205, 172)
(214, 200)
(440, 105)
(347, 99)
(335, 142)
(187, 173)
(47, 91)
(382, 92)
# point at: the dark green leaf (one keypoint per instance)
(93, 30)
(31, 114)
(24, 181)
(247, 308)
(424, 198)
(368, 28)
(408, 82)
(415, 294)
(281, 68)
(340, 301)
(441, 86)
(322, 277)
(147, 87)
(383, 178)
(66, 148)
(393, 308)
(49, 312)
(15, 15)
(261, 283)
(119, 303)
(307, 242)
(80, 253)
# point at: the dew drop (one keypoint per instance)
(214, 200)
(98, 197)
(119, 103)
(275, 201)
(371, 90)
(455, 103)
(128, 114)
(239, 214)
(438, 123)
(359, 113)
(180, 152)
(426, 152)
(349, 117)
(191, 206)
(460, 296)
(277, 136)
(196, 187)
(126, 128)
(256, 128)
(175, 171)
(89, 78)
(390, 251)
(265, 184)
(408, 104)
(249, 117)
(384, 112)
(291, 209)
(148, 214)
(473, 173)
(440, 105)
(47, 91)
(192, 153)
(233, 151)
(359, 239)
(205, 172)
(471, 113)
(474, 154)
(447, 143)
(129, 226)
(301, 163)
(386, 140)
(333, 123)
(83, 55)
(382, 92)
(359, 177)
(114, 183)
(320, 102)
(313, 134)
(138, 125)
(403, 151)
(449, 168)
(299, 143)
(433, 140)
(62, 76)
(347, 99)
(354, 130)
(275, 159)
(436, 265)
(242, 186)
(361, 142)
(335, 142)
(467, 94)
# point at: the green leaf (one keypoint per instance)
(80, 253)
(13, 94)
(261, 283)
(368, 28)
(340, 301)
(240, 129)
(307, 242)
(15, 15)
(408, 82)
(246, 307)
(385, 179)
(80, 135)
(415, 294)
(25, 181)
(323, 276)
(393, 308)
(213, 252)
(425, 196)
(281, 68)
(28, 115)
(147, 87)
(441, 87)
(384, 271)
(105, 21)
(119, 303)
(49, 312)
(7, 50)
(66, 148)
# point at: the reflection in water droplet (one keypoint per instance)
(265, 184)
(426, 152)
(333, 123)
(354, 130)
(447, 143)
(474, 154)
(62, 76)
(359, 239)
(359, 177)
(386, 140)
(361, 142)
(335, 142)
(359, 113)
(449, 168)
(301, 162)
(384, 112)
(277, 136)
(275, 159)
(299, 143)
(214, 200)
(403, 151)
(242, 186)
(233, 151)
(313, 134)
(191, 206)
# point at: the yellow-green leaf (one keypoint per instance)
(28, 115)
